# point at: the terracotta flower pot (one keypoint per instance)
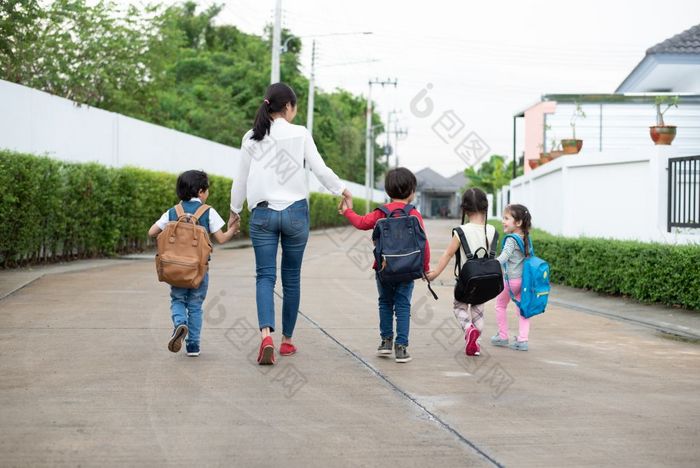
(556, 154)
(545, 158)
(662, 135)
(534, 163)
(571, 146)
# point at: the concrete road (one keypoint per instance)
(87, 379)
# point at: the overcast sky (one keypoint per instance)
(484, 60)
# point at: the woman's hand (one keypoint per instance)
(346, 202)
(431, 275)
(233, 219)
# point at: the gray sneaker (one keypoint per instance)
(401, 353)
(496, 340)
(519, 345)
(385, 347)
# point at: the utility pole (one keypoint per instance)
(276, 38)
(310, 106)
(388, 134)
(369, 145)
(398, 132)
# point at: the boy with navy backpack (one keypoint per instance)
(402, 255)
(526, 278)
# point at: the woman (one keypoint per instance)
(271, 176)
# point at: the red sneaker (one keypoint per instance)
(266, 355)
(287, 349)
(472, 346)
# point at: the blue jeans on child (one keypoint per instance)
(186, 307)
(395, 299)
(267, 228)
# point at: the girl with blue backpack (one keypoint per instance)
(516, 249)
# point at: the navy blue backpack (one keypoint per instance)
(535, 283)
(399, 246)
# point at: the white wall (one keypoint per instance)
(609, 194)
(36, 122)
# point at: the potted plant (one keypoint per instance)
(572, 145)
(534, 163)
(544, 156)
(661, 133)
(555, 151)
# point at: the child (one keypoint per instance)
(475, 207)
(394, 299)
(186, 304)
(516, 220)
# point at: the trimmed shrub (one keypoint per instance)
(645, 271)
(53, 210)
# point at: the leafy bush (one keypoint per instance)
(647, 272)
(53, 210)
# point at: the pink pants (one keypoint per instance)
(502, 301)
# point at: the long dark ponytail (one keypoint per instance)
(521, 213)
(277, 97)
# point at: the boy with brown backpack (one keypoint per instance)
(184, 249)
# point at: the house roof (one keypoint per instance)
(672, 65)
(431, 181)
(459, 179)
(687, 42)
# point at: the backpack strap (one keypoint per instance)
(465, 246)
(384, 210)
(200, 212)
(464, 243)
(179, 210)
(408, 208)
(492, 251)
(510, 291)
(425, 277)
(518, 240)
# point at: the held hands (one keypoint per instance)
(346, 202)
(234, 222)
(431, 275)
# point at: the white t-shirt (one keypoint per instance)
(215, 220)
(474, 234)
(272, 170)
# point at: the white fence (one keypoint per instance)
(36, 122)
(621, 126)
(610, 194)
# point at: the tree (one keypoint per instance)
(492, 175)
(172, 66)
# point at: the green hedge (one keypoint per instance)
(647, 272)
(53, 210)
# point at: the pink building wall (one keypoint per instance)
(534, 129)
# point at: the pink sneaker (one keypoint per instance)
(471, 336)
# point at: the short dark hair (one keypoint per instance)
(400, 183)
(190, 183)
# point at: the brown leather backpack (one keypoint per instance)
(183, 250)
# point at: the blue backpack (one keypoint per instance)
(535, 283)
(399, 246)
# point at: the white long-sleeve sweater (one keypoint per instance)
(272, 170)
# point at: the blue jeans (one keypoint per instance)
(395, 299)
(186, 307)
(267, 228)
